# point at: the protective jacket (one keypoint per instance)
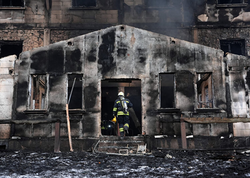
(121, 106)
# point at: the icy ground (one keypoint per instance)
(160, 164)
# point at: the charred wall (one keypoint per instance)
(38, 23)
(221, 22)
(123, 52)
(120, 52)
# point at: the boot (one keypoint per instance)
(126, 131)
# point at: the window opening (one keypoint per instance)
(19, 3)
(84, 3)
(230, 1)
(233, 46)
(167, 90)
(37, 92)
(204, 90)
(10, 48)
(76, 96)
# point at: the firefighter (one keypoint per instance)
(120, 110)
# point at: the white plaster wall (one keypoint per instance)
(241, 129)
(214, 129)
(6, 93)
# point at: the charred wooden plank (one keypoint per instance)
(215, 120)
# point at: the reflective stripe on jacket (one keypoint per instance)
(118, 109)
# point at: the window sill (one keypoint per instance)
(208, 110)
(84, 8)
(155, 8)
(168, 110)
(231, 5)
(36, 111)
(11, 8)
(77, 111)
(44, 111)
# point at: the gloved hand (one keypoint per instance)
(114, 119)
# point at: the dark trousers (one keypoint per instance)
(123, 121)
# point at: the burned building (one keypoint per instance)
(184, 67)
(168, 80)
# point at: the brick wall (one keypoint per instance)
(212, 36)
(31, 38)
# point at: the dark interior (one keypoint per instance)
(75, 91)
(10, 48)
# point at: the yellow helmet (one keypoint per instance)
(120, 94)
(114, 119)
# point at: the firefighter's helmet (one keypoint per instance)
(120, 94)
(114, 120)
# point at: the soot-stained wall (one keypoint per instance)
(119, 52)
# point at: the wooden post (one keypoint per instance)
(57, 137)
(183, 134)
(118, 129)
(67, 112)
(68, 124)
(47, 5)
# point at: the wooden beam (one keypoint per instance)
(57, 137)
(47, 5)
(69, 131)
(183, 134)
(209, 120)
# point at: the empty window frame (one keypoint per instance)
(38, 92)
(167, 90)
(230, 1)
(235, 46)
(84, 3)
(204, 90)
(10, 48)
(18, 3)
(75, 91)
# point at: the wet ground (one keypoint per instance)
(159, 164)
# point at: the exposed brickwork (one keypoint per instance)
(212, 36)
(66, 21)
(31, 38)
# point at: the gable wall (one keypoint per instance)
(120, 52)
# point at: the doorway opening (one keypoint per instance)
(132, 91)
